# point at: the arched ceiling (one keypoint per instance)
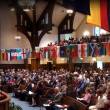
(58, 14)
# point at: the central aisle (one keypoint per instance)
(24, 105)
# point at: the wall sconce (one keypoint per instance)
(17, 38)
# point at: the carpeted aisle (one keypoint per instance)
(24, 105)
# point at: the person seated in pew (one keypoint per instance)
(87, 97)
(101, 99)
(38, 92)
(56, 99)
(21, 88)
(29, 90)
(107, 104)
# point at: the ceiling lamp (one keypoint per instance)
(86, 33)
(26, 4)
(12, 9)
(26, 9)
(69, 11)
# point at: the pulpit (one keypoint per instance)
(4, 101)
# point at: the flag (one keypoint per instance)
(107, 46)
(37, 52)
(96, 49)
(82, 6)
(13, 56)
(8, 55)
(23, 53)
(0, 55)
(99, 13)
(58, 51)
(79, 50)
(91, 49)
(68, 51)
(28, 53)
(19, 54)
(41, 53)
(46, 52)
(53, 52)
(3, 55)
(83, 50)
(74, 51)
(102, 49)
(63, 51)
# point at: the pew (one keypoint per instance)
(4, 102)
(67, 100)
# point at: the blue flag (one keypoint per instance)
(63, 51)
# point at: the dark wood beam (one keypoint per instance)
(45, 19)
(23, 19)
(66, 25)
(23, 30)
(44, 22)
(25, 24)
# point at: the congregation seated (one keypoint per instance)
(38, 87)
(86, 98)
(107, 103)
(102, 100)
(21, 89)
(86, 39)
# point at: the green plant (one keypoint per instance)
(12, 106)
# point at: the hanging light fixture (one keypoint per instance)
(26, 4)
(17, 37)
(69, 11)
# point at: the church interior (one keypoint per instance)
(54, 55)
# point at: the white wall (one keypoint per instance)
(47, 38)
(8, 31)
(84, 27)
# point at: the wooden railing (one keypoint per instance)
(4, 103)
(73, 103)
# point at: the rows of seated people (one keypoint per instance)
(92, 39)
(90, 86)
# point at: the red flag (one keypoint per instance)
(107, 46)
(83, 50)
(41, 53)
(23, 54)
(99, 13)
(14, 56)
(37, 52)
(53, 52)
(74, 51)
(5, 56)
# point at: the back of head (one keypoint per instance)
(108, 94)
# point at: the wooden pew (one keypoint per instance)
(73, 102)
(4, 103)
